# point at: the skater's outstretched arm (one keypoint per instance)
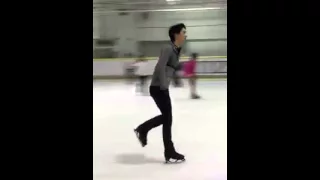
(161, 66)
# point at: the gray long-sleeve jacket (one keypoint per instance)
(167, 64)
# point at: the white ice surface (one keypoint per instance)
(199, 132)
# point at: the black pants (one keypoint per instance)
(163, 101)
(142, 83)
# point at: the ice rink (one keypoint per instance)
(199, 131)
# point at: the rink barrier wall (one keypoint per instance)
(182, 58)
(115, 69)
(203, 76)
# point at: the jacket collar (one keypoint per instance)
(175, 48)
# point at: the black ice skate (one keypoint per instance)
(174, 156)
(195, 96)
(141, 137)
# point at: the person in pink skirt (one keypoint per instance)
(190, 74)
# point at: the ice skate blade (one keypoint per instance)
(175, 161)
(137, 135)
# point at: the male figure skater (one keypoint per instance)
(167, 64)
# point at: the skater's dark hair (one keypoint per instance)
(175, 29)
(194, 55)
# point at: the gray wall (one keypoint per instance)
(206, 30)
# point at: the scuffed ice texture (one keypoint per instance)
(118, 156)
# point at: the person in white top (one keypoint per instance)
(142, 74)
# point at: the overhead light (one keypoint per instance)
(171, 2)
(187, 9)
(163, 10)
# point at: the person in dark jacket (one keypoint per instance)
(164, 71)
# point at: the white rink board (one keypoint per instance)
(117, 68)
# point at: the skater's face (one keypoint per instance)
(182, 36)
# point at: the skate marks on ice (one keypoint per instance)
(139, 159)
(136, 159)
